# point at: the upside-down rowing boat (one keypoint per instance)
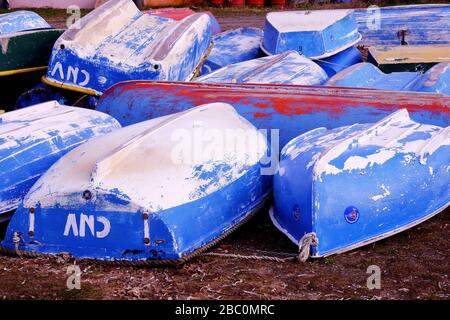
(344, 188)
(156, 192)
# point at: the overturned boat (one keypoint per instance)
(344, 188)
(366, 75)
(285, 68)
(117, 42)
(234, 46)
(314, 34)
(160, 191)
(33, 139)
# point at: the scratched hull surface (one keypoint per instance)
(21, 21)
(117, 42)
(314, 34)
(291, 109)
(285, 68)
(233, 46)
(408, 58)
(148, 182)
(33, 139)
(412, 25)
(366, 75)
(355, 185)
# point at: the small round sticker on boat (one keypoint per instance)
(351, 214)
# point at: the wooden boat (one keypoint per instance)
(314, 34)
(171, 185)
(400, 25)
(32, 139)
(55, 4)
(408, 58)
(366, 75)
(340, 61)
(117, 42)
(347, 187)
(233, 46)
(292, 110)
(285, 68)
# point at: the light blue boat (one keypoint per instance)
(33, 139)
(234, 46)
(366, 75)
(404, 25)
(340, 61)
(158, 192)
(343, 188)
(18, 21)
(117, 42)
(314, 34)
(285, 68)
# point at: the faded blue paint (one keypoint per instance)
(286, 68)
(340, 61)
(174, 231)
(290, 109)
(423, 24)
(141, 46)
(327, 33)
(33, 139)
(366, 75)
(21, 21)
(389, 196)
(233, 46)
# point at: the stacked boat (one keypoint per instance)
(194, 131)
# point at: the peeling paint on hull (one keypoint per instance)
(291, 109)
(136, 184)
(355, 185)
(33, 139)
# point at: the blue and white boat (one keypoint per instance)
(343, 188)
(157, 192)
(285, 68)
(117, 42)
(234, 46)
(366, 75)
(314, 34)
(33, 139)
(18, 21)
(340, 61)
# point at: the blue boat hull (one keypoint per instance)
(18, 21)
(340, 61)
(351, 193)
(366, 75)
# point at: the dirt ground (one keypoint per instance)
(414, 264)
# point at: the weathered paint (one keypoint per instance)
(33, 139)
(56, 4)
(181, 13)
(355, 185)
(315, 34)
(408, 58)
(26, 51)
(171, 185)
(117, 42)
(340, 61)
(411, 24)
(233, 46)
(366, 75)
(18, 21)
(285, 68)
(291, 109)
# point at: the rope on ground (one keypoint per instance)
(304, 245)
